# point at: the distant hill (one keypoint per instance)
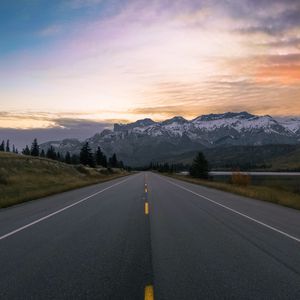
(145, 140)
(271, 157)
(291, 161)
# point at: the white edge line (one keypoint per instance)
(237, 212)
(60, 210)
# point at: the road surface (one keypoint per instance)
(145, 233)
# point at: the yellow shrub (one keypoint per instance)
(239, 178)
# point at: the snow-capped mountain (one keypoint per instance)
(146, 140)
(214, 129)
(292, 124)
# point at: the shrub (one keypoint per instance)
(82, 169)
(241, 179)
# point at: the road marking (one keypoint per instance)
(149, 292)
(59, 211)
(146, 208)
(237, 212)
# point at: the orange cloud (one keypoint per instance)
(287, 74)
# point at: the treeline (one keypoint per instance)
(167, 168)
(86, 156)
(98, 158)
(198, 169)
(5, 147)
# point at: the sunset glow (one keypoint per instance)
(125, 60)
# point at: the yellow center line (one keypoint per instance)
(149, 292)
(146, 208)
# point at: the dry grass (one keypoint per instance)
(26, 178)
(264, 193)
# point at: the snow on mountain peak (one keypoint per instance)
(227, 115)
(176, 119)
(215, 130)
(291, 124)
(230, 122)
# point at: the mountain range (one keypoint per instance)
(145, 140)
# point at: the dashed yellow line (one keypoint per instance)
(146, 208)
(149, 292)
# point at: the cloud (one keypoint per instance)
(168, 57)
(288, 74)
(44, 120)
(51, 30)
(60, 128)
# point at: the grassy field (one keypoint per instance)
(277, 190)
(284, 183)
(24, 178)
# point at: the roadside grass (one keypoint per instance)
(274, 194)
(24, 178)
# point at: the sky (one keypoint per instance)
(95, 62)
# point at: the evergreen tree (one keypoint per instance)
(104, 161)
(26, 150)
(86, 156)
(7, 149)
(100, 158)
(2, 146)
(199, 168)
(35, 149)
(113, 162)
(121, 164)
(166, 167)
(14, 149)
(51, 153)
(75, 159)
(68, 158)
(42, 154)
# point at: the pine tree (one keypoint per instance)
(104, 161)
(86, 156)
(2, 146)
(35, 149)
(26, 150)
(113, 161)
(199, 168)
(166, 167)
(7, 149)
(14, 149)
(42, 154)
(51, 153)
(75, 159)
(121, 164)
(68, 158)
(100, 158)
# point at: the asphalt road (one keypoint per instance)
(99, 242)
